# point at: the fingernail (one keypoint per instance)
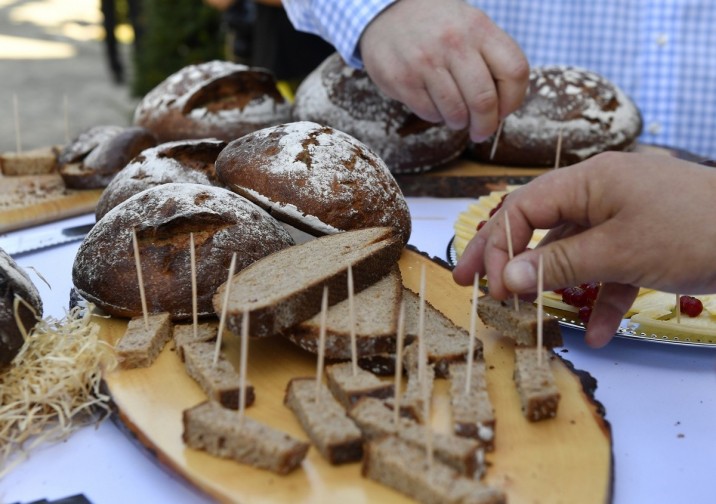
(520, 276)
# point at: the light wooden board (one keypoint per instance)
(29, 200)
(566, 459)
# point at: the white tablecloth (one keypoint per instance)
(660, 400)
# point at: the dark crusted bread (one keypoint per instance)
(14, 281)
(592, 114)
(520, 325)
(315, 178)
(285, 288)
(539, 395)
(348, 388)
(144, 340)
(190, 161)
(105, 273)
(77, 149)
(347, 99)
(218, 431)
(376, 318)
(403, 467)
(100, 165)
(472, 412)
(376, 420)
(217, 99)
(324, 420)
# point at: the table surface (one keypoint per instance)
(660, 400)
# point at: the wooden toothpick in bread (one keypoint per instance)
(539, 395)
(348, 388)
(217, 430)
(219, 380)
(401, 466)
(411, 403)
(472, 412)
(520, 326)
(144, 338)
(284, 288)
(331, 431)
(375, 419)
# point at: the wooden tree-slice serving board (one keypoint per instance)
(565, 459)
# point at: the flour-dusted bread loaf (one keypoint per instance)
(591, 113)
(100, 166)
(346, 99)
(79, 147)
(104, 271)
(217, 99)
(315, 178)
(190, 161)
(376, 319)
(520, 325)
(286, 288)
(218, 431)
(15, 282)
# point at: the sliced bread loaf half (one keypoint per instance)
(286, 287)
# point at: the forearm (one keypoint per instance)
(340, 22)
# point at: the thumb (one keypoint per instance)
(584, 257)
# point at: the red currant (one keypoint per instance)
(575, 296)
(690, 306)
(584, 313)
(591, 291)
(481, 224)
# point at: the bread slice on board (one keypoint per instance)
(286, 287)
(520, 325)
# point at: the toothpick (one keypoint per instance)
(559, 149)
(225, 304)
(66, 107)
(399, 362)
(428, 428)
(421, 328)
(510, 252)
(352, 322)
(194, 308)
(140, 279)
(471, 343)
(678, 308)
(540, 309)
(321, 344)
(16, 110)
(497, 137)
(243, 364)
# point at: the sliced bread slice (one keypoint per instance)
(520, 325)
(376, 318)
(286, 287)
(535, 384)
(38, 161)
(348, 388)
(472, 412)
(141, 343)
(184, 333)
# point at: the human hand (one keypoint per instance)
(627, 220)
(447, 62)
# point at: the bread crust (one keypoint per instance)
(104, 271)
(315, 178)
(346, 99)
(217, 99)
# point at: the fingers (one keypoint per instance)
(613, 302)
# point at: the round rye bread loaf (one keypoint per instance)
(591, 114)
(216, 99)
(187, 161)
(14, 281)
(346, 99)
(315, 178)
(105, 273)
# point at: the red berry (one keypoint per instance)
(494, 210)
(690, 306)
(584, 313)
(559, 291)
(591, 291)
(575, 296)
(481, 224)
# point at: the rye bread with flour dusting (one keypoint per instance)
(223, 433)
(536, 385)
(315, 178)
(285, 288)
(376, 319)
(220, 382)
(472, 412)
(325, 421)
(403, 467)
(520, 325)
(375, 419)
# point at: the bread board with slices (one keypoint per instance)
(568, 458)
(28, 200)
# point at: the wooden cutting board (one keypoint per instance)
(565, 459)
(28, 200)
